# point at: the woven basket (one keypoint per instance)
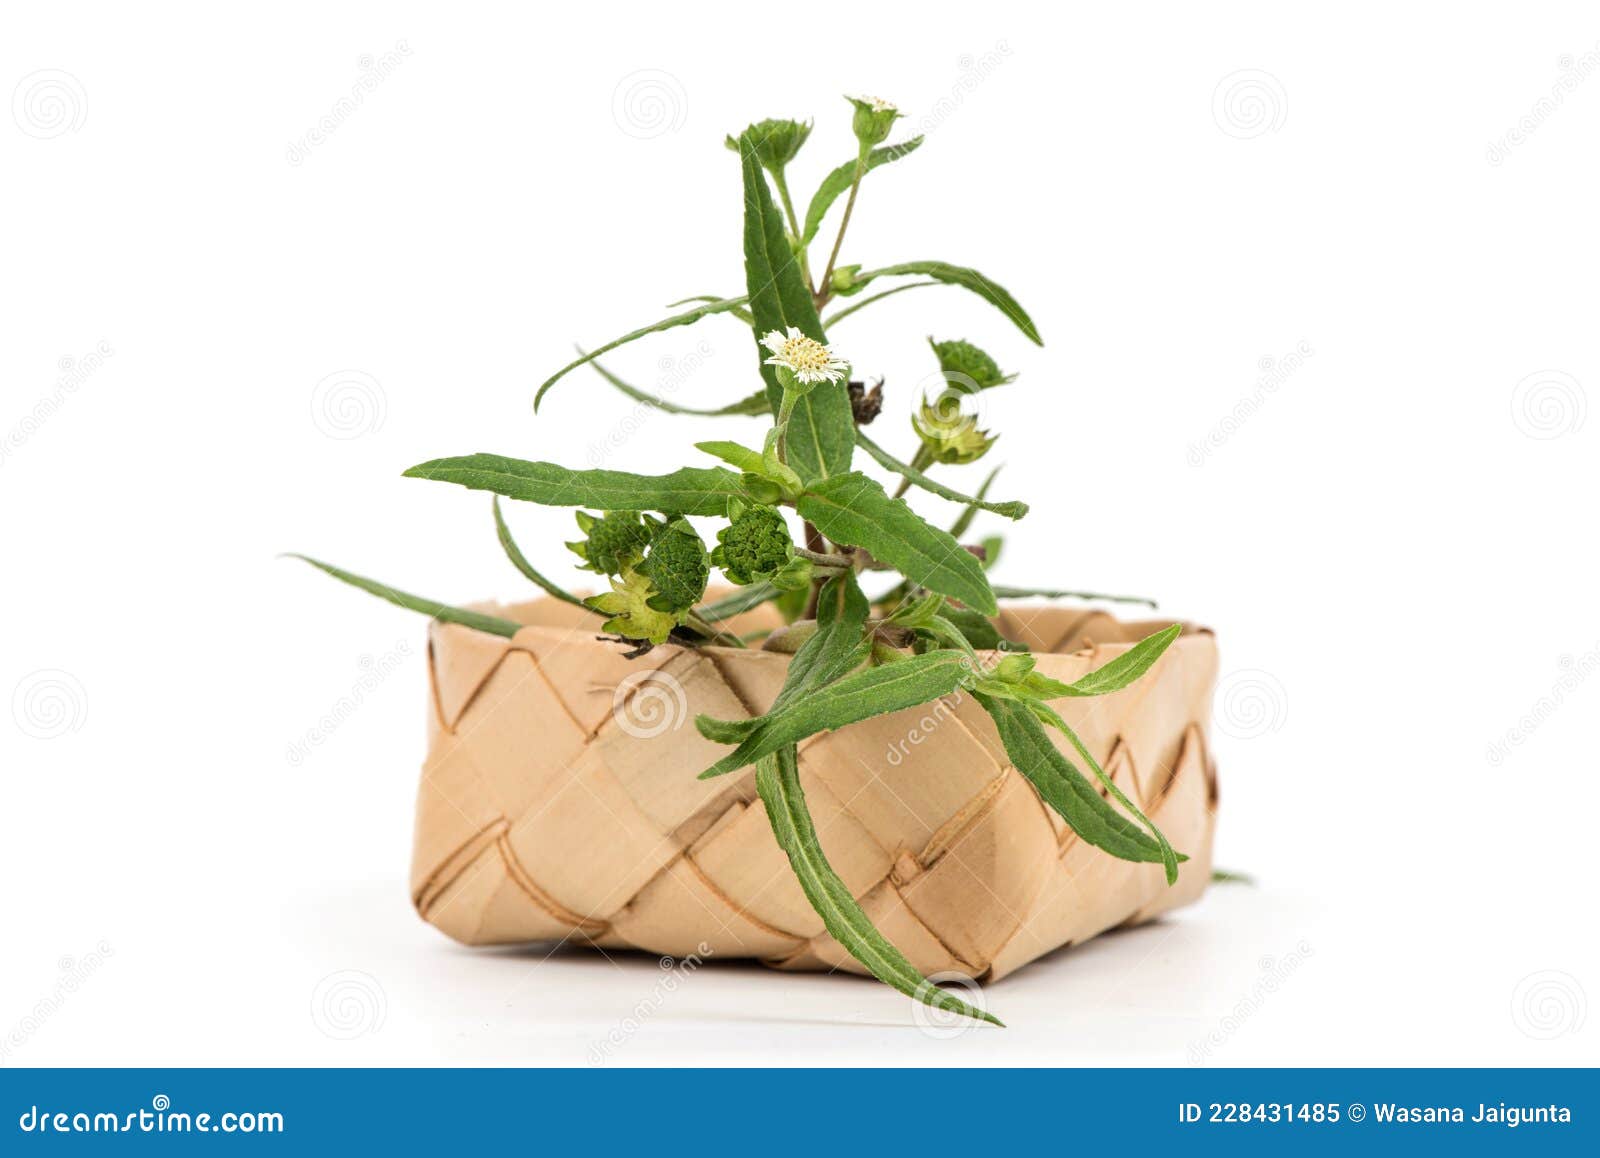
(559, 800)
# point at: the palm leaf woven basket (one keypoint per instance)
(559, 801)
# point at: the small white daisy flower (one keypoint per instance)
(806, 358)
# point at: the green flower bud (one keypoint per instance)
(754, 546)
(1013, 668)
(677, 566)
(948, 435)
(844, 281)
(963, 363)
(776, 142)
(611, 543)
(873, 120)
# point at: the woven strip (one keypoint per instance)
(559, 800)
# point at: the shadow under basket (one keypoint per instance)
(559, 800)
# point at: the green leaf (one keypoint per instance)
(686, 318)
(821, 439)
(778, 782)
(1169, 857)
(840, 315)
(1063, 787)
(1229, 877)
(443, 612)
(630, 609)
(686, 491)
(1114, 675)
(747, 460)
(838, 182)
(1011, 510)
(737, 311)
(980, 631)
(520, 561)
(967, 278)
(854, 511)
(873, 691)
(753, 404)
(1053, 593)
(737, 602)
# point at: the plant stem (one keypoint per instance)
(826, 291)
(920, 461)
(825, 559)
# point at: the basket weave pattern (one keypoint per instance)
(559, 800)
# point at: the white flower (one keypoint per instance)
(806, 358)
(879, 105)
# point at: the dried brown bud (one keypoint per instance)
(866, 404)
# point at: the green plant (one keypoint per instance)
(928, 635)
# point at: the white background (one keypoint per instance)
(1396, 545)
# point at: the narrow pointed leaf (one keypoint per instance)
(962, 524)
(735, 455)
(443, 612)
(752, 404)
(688, 317)
(686, 491)
(837, 183)
(854, 511)
(1115, 675)
(1052, 593)
(737, 311)
(737, 602)
(778, 782)
(873, 691)
(520, 561)
(986, 288)
(821, 437)
(1063, 787)
(1011, 510)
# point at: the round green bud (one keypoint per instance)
(966, 364)
(755, 545)
(677, 566)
